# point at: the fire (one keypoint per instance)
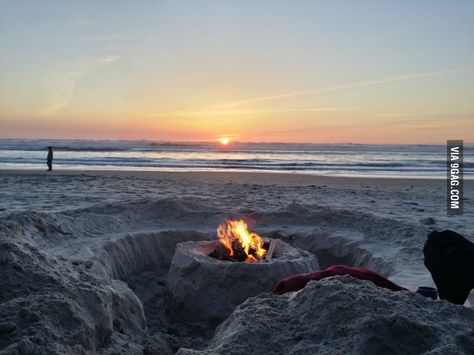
(236, 238)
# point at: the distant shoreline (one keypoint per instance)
(343, 160)
(250, 176)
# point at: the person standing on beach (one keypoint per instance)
(49, 159)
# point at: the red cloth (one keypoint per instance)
(297, 282)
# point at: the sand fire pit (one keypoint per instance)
(204, 287)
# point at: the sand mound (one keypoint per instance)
(49, 306)
(343, 315)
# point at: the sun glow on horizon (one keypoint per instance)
(224, 140)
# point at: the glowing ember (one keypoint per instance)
(237, 243)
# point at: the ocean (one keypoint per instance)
(427, 161)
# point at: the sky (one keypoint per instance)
(276, 71)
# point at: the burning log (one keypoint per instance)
(271, 250)
(239, 253)
(220, 252)
(236, 243)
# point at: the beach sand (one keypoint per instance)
(85, 257)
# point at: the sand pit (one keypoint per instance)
(203, 287)
(334, 248)
(95, 280)
(133, 274)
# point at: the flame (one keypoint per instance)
(237, 231)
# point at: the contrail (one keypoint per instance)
(234, 112)
(338, 87)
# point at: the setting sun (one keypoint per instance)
(224, 140)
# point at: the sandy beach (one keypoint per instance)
(236, 178)
(103, 241)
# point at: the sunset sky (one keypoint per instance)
(294, 71)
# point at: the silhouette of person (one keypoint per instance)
(49, 159)
(450, 259)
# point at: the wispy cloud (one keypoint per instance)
(105, 37)
(427, 115)
(238, 112)
(408, 77)
(391, 115)
(109, 59)
(67, 80)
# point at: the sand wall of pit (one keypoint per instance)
(124, 258)
(332, 249)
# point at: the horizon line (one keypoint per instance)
(217, 142)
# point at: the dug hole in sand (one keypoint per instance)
(94, 281)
